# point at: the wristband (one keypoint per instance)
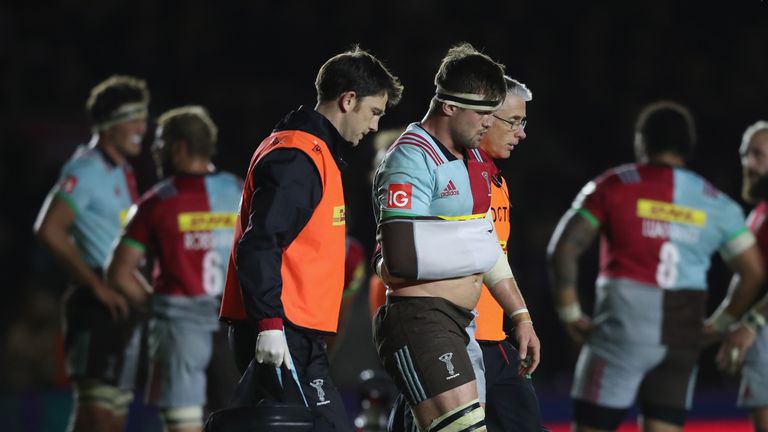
(569, 313)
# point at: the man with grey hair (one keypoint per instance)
(511, 402)
(746, 344)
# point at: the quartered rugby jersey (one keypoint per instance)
(420, 177)
(187, 223)
(756, 222)
(660, 224)
(100, 194)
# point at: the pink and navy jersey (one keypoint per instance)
(659, 228)
(187, 223)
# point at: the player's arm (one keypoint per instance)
(123, 272)
(745, 287)
(574, 234)
(503, 287)
(52, 228)
(287, 191)
(740, 251)
(403, 189)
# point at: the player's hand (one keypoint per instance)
(579, 329)
(114, 301)
(732, 352)
(529, 346)
(710, 335)
(272, 348)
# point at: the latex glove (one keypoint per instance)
(272, 348)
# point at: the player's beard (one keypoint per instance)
(753, 192)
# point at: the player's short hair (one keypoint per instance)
(516, 88)
(359, 71)
(465, 70)
(665, 126)
(108, 96)
(758, 126)
(192, 124)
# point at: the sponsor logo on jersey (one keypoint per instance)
(399, 196)
(206, 221)
(450, 190)
(668, 212)
(339, 215)
(68, 184)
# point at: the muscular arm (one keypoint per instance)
(123, 274)
(745, 286)
(573, 235)
(747, 282)
(52, 228)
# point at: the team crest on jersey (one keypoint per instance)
(399, 196)
(446, 358)
(449, 190)
(68, 184)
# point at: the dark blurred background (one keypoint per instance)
(591, 66)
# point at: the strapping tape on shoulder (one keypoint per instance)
(434, 249)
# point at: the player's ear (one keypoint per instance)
(347, 101)
(448, 109)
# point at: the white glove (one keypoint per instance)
(272, 348)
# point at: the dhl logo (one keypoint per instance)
(206, 221)
(667, 212)
(339, 215)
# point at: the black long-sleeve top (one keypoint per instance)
(287, 189)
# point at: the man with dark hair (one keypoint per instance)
(79, 221)
(432, 191)
(186, 224)
(660, 224)
(746, 343)
(286, 270)
(510, 400)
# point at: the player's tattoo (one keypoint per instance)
(575, 235)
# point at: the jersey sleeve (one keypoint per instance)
(404, 183)
(590, 203)
(76, 186)
(732, 228)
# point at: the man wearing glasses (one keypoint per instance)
(433, 191)
(511, 402)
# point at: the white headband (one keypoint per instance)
(470, 101)
(124, 113)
